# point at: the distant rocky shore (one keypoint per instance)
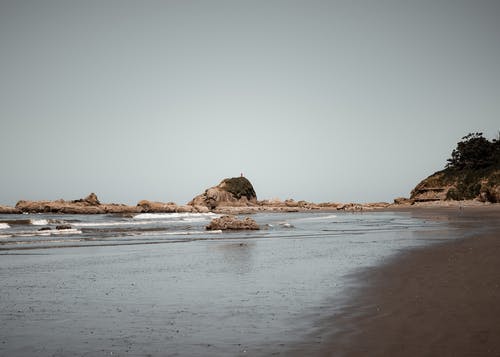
(237, 196)
(232, 196)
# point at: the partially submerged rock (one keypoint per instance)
(232, 223)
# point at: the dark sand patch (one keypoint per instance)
(442, 300)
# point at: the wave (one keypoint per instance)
(320, 218)
(39, 222)
(171, 216)
(133, 223)
(181, 233)
(52, 232)
(109, 224)
(4, 225)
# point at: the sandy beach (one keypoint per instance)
(440, 300)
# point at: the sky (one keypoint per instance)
(354, 100)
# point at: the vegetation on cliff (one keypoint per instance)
(239, 187)
(472, 172)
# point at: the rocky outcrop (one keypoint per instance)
(157, 207)
(472, 173)
(9, 210)
(403, 201)
(232, 192)
(87, 205)
(90, 200)
(448, 184)
(232, 223)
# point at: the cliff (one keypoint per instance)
(472, 173)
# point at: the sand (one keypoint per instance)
(442, 300)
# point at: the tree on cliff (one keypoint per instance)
(472, 172)
(475, 152)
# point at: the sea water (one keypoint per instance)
(160, 284)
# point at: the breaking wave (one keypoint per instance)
(39, 222)
(176, 216)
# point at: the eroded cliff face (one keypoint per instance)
(236, 191)
(482, 185)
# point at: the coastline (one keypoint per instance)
(354, 315)
(438, 300)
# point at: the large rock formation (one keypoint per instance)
(472, 173)
(232, 223)
(236, 192)
(459, 185)
(87, 205)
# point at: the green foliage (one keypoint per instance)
(475, 152)
(239, 186)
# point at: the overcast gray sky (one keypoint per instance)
(318, 100)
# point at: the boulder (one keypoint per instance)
(90, 200)
(232, 223)
(185, 209)
(236, 191)
(157, 207)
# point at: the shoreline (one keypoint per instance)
(91, 205)
(337, 326)
(437, 300)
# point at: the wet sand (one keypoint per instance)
(442, 300)
(264, 296)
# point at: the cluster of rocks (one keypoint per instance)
(87, 205)
(232, 196)
(59, 227)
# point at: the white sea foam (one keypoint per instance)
(319, 218)
(109, 224)
(4, 225)
(137, 222)
(180, 233)
(39, 222)
(52, 232)
(171, 216)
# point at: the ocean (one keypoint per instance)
(161, 285)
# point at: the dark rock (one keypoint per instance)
(234, 192)
(63, 226)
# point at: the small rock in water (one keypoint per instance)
(232, 223)
(63, 226)
(45, 229)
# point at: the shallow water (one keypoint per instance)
(161, 285)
